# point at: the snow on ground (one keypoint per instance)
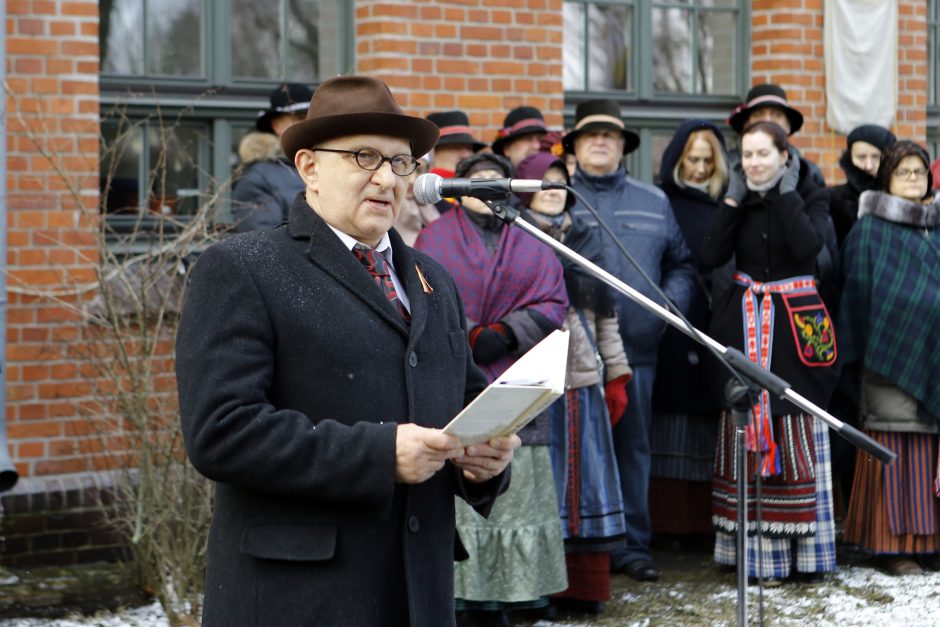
(854, 596)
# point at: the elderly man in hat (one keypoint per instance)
(521, 135)
(268, 181)
(317, 363)
(643, 220)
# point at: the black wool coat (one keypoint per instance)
(773, 237)
(293, 373)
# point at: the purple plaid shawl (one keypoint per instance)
(523, 274)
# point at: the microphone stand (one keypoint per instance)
(737, 395)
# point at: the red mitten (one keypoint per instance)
(615, 393)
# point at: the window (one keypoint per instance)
(182, 82)
(664, 61)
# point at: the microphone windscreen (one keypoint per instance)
(427, 188)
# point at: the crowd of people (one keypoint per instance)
(835, 289)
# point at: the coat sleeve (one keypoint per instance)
(718, 245)
(802, 221)
(678, 279)
(610, 345)
(232, 432)
(254, 204)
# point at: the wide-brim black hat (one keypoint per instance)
(455, 129)
(767, 95)
(285, 99)
(517, 123)
(600, 114)
(357, 105)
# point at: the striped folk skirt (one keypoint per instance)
(893, 509)
(813, 553)
(788, 499)
(587, 482)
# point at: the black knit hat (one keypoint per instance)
(484, 160)
(455, 129)
(766, 95)
(285, 99)
(877, 136)
(518, 122)
(600, 114)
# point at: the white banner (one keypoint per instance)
(861, 45)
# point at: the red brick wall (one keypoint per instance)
(52, 121)
(482, 56)
(787, 49)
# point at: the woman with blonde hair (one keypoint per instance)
(693, 174)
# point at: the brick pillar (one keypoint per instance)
(787, 49)
(52, 121)
(911, 120)
(482, 56)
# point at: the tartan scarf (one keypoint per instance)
(889, 313)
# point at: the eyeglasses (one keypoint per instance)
(371, 159)
(906, 173)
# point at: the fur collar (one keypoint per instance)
(896, 209)
(257, 146)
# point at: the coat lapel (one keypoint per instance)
(406, 268)
(327, 252)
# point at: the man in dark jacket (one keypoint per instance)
(317, 363)
(644, 223)
(268, 183)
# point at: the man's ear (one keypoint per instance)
(307, 167)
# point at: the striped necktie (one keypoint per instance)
(377, 266)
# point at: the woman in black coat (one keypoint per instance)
(693, 173)
(773, 221)
(863, 148)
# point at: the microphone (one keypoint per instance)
(430, 188)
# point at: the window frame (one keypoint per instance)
(645, 110)
(217, 100)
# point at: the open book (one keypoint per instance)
(518, 395)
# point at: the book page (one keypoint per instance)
(518, 396)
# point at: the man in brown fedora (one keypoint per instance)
(317, 363)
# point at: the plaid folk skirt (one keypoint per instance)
(814, 553)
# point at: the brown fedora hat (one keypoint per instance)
(357, 105)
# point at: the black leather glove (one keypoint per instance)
(737, 184)
(490, 342)
(792, 176)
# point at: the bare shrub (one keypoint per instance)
(127, 319)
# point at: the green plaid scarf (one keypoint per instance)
(889, 315)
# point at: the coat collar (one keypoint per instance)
(896, 209)
(326, 251)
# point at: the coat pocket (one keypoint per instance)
(292, 542)
(458, 342)
(811, 325)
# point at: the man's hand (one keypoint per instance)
(482, 462)
(420, 452)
